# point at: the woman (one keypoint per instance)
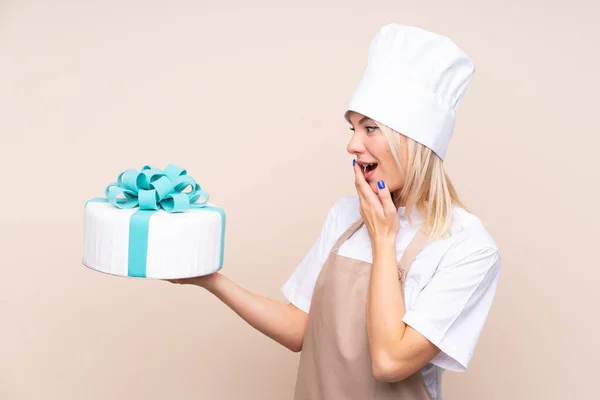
(398, 286)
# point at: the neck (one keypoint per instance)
(398, 202)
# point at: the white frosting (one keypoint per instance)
(180, 245)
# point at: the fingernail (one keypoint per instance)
(353, 163)
(381, 184)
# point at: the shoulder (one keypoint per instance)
(468, 228)
(471, 240)
(342, 214)
(346, 209)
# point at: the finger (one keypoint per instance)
(359, 181)
(364, 203)
(385, 197)
(362, 186)
(357, 176)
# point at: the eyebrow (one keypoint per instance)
(363, 119)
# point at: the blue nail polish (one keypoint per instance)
(381, 184)
(353, 163)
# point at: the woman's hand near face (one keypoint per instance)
(377, 209)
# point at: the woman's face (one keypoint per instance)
(370, 149)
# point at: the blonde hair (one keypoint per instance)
(427, 186)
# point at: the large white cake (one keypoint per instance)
(144, 241)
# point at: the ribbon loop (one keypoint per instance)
(147, 200)
(128, 180)
(182, 182)
(174, 171)
(197, 194)
(177, 202)
(127, 201)
(163, 187)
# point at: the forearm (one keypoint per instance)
(385, 304)
(282, 323)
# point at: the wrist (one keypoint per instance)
(383, 248)
(209, 282)
(384, 242)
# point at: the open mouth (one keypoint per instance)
(369, 169)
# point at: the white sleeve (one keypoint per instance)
(298, 289)
(452, 308)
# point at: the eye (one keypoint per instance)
(368, 128)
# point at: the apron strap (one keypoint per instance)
(418, 242)
(346, 235)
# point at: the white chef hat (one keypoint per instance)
(414, 82)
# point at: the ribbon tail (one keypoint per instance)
(139, 225)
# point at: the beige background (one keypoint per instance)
(249, 96)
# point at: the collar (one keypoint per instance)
(415, 216)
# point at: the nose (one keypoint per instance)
(355, 145)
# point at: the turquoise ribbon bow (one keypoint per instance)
(152, 189)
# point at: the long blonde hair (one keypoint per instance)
(427, 186)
